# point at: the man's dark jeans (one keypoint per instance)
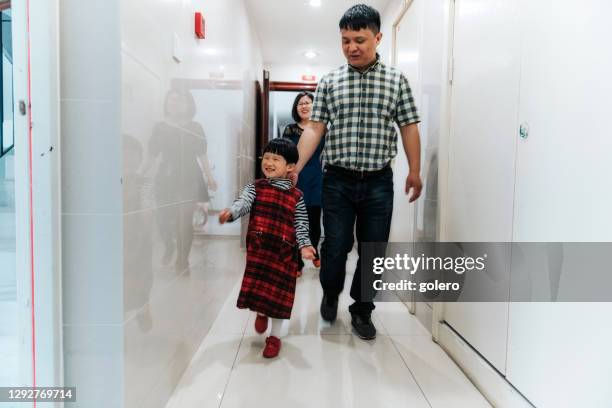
(346, 199)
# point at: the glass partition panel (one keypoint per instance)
(9, 349)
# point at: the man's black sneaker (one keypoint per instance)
(329, 307)
(363, 326)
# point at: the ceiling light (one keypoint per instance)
(315, 3)
(310, 54)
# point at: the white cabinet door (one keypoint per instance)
(484, 110)
(482, 148)
(564, 165)
(559, 354)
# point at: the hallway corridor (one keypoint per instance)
(321, 365)
(471, 137)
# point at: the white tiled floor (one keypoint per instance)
(323, 365)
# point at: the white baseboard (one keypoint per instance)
(495, 388)
(424, 314)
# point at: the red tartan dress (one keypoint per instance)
(268, 286)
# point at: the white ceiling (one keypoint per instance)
(288, 28)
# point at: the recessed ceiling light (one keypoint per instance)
(315, 3)
(310, 54)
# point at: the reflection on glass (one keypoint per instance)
(178, 148)
(219, 113)
(9, 357)
(138, 262)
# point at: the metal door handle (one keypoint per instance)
(524, 130)
(22, 107)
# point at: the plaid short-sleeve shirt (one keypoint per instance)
(360, 109)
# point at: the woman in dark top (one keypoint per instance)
(178, 151)
(311, 177)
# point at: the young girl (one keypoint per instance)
(278, 222)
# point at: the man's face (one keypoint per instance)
(359, 47)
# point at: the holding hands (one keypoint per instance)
(308, 252)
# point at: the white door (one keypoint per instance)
(559, 354)
(482, 158)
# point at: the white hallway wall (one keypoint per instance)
(133, 318)
(531, 57)
(421, 56)
(421, 53)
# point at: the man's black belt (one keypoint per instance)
(357, 174)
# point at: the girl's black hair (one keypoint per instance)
(283, 147)
(294, 111)
(361, 16)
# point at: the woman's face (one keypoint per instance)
(304, 107)
(175, 106)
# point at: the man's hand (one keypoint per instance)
(413, 181)
(224, 216)
(412, 147)
(308, 252)
(293, 176)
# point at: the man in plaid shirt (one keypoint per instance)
(359, 104)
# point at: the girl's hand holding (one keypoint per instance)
(224, 216)
(308, 252)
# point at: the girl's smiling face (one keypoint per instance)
(275, 166)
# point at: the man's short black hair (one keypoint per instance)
(283, 147)
(361, 16)
(294, 111)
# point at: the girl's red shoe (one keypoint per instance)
(273, 346)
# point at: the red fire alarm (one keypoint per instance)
(309, 78)
(200, 28)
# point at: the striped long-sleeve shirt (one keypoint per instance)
(242, 206)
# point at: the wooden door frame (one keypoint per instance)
(279, 86)
(262, 119)
(263, 110)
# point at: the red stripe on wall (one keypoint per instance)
(31, 196)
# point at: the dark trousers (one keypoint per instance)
(314, 230)
(348, 199)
